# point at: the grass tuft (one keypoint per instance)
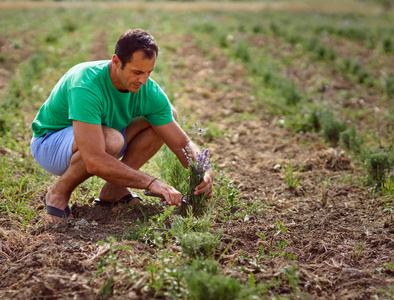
(378, 164)
(390, 87)
(351, 141)
(200, 244)
(331, 127)
(203, 285)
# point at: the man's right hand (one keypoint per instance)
(170, 194)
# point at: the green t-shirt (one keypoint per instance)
(86, 93)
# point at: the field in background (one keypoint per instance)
(296, 103)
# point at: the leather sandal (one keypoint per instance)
(51, 210)
(124, 200)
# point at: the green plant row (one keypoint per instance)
(280, 95)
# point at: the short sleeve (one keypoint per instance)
(161, 112)
(84, 106)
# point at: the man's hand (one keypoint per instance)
(206, 185)
(170, 194)
(177, 140)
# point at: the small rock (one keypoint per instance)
(260, 211)
(4, 151)
(351, 271)
(82, 222)
(235, 138)
(132, 295)
(249, 218)
(74, 277)
(175, 248)
(278, 148)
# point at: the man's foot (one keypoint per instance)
(57, 209)
(130, 198)
(113, 193)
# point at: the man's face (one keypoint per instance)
(134, 74)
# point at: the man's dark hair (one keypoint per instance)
(132, 41)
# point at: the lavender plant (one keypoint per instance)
(197, 169)
(186, 180)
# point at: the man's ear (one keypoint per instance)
(116, 61)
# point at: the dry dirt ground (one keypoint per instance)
(325, 228)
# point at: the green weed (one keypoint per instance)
(388, 195)
(331, 127)
(139, 232)
(157, 233)
(224, 41)
(166, 276)
(226, 190)
(184, 225)
(378, 164)
(202, 285)
(293, 180)
(18, 190)
(305, 122)
(358, 251)
(281, 245)
(320, 51)
(390, 86)
(357, 71)
(275, 28)
(387, 45)
(351, 140)
(200, 244)
(213, 131)
(159, 230)
(290, 92)
(241, 51)
(292, 275)
(388, 188)
(110, 266)
(171, 170)
(69, 25)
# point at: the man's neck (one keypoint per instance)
(112, 76)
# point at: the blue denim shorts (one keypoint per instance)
(53, 150)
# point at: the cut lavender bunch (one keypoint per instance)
(197, 170)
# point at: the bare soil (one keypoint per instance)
(324, 228)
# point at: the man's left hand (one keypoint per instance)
(206, 186)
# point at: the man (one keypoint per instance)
(102, 111)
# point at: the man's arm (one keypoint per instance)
(91, 144)
(177, 140)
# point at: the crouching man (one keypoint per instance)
(108, 118)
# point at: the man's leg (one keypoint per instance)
(59, 194)
(142, 144)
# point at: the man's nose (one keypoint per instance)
(143, 79)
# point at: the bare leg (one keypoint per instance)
(59, 195)
(142, 144)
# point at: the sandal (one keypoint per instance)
(51, 210)
(124, 200)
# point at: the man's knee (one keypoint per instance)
(114, 141)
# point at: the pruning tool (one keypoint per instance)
(150, 194)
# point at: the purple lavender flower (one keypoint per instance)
(207, 154)
(203, 163)
(187, 152)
